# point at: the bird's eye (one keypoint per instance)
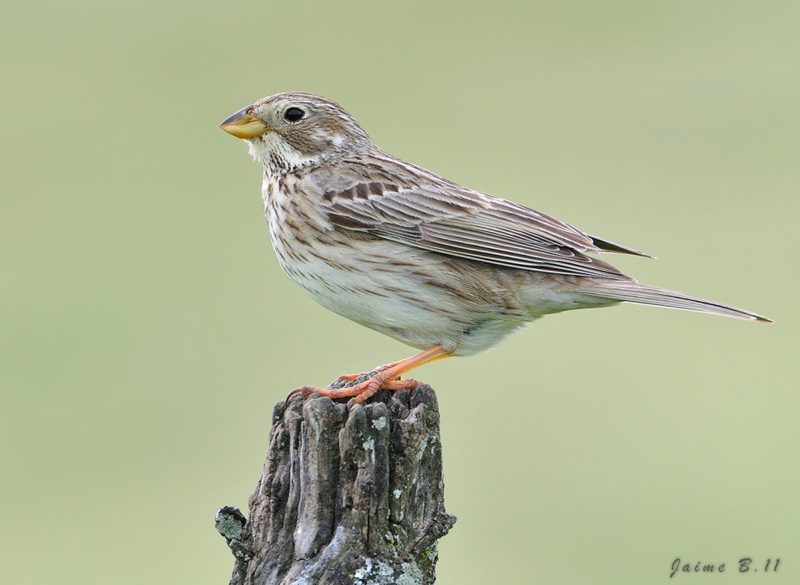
(294, 114)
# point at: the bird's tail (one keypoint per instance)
(635, 292)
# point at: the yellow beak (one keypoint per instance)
(243, 124)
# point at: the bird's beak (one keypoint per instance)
(243, 124)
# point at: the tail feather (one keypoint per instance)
(634, 292)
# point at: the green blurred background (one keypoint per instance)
(147, 330)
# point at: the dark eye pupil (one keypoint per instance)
(294, 114)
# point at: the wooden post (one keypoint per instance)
(347, 496)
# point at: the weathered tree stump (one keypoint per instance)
(346, 496)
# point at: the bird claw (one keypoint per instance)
(304, 391)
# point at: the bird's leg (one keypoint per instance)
(386, 378)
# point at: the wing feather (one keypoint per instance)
(421, 209)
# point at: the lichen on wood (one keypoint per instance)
(348, 495)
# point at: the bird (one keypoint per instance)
(441, 267)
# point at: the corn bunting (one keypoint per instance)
(406, 252)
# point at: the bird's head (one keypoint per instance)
(290, 130)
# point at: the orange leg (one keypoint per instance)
(385, 378)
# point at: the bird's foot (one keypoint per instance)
(385, 377)
(360, 392)
(341, 380)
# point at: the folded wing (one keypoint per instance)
(437, 215)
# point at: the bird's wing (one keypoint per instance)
(408, 204)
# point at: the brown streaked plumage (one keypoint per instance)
(406, 252)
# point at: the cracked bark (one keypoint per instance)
(346, 496)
